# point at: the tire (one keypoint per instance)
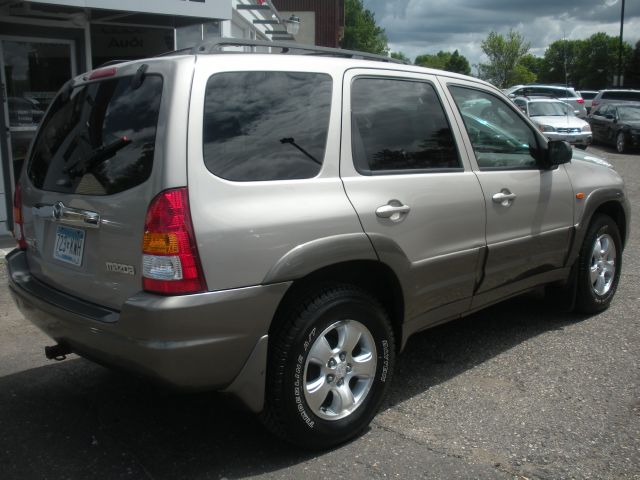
(581, 147)
(599, 265)
(621, 145)
(330, 362)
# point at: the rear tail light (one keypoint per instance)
(170, 261)
(18, 223)
(580, 100)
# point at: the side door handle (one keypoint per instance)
(393, 210)
(504, 197)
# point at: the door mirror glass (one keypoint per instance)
(558, 152)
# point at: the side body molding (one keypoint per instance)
(323, 252)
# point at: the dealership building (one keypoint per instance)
(44, 43)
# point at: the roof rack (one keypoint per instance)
(216, 46)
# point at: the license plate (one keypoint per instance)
(69, 245)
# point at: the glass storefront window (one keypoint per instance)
(33, 72)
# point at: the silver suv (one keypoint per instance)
(277, 226)
(564, 94)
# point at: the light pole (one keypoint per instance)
(620, 81)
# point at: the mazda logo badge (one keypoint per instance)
(57, 210)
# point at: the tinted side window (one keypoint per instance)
(399, 125)
(500, 138)
(266, 125)
(99, 139)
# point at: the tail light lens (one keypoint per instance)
(18, 223)
(580, 100)
(170, 261)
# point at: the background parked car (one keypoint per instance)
(615, 96)
(617, 124)
(565, 94)
(587, 96)
(555, 119)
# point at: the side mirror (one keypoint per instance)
(558, 152)
(610, 116)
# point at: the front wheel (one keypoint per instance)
(599, 265)
(620, 143)
(330, 362)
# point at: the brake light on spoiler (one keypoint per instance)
(170, 261)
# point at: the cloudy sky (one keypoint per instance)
(427, 26)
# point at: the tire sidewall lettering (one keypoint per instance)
(383, 371)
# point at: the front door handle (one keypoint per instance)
(504, 197)
(393, 210)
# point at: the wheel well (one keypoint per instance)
(615, 211)
(374, 277)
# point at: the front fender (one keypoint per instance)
(595, 200)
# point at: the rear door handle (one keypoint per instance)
(504, 197)
(393, 210)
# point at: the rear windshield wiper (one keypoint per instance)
(99, 155)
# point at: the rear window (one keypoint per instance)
(99, 139)
(621, 95)
(266, 125)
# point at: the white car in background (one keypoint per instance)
(556, 120)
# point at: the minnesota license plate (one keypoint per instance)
(69, 245)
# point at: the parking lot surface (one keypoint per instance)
(519, 390)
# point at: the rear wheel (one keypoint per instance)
(330, 362)
(621, 145)
(599, 265)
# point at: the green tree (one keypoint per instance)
(522, 75)
(439, 60)
(532, 63)
(561, 62)
(400, 56)
(585, 64)
(458, 63)
(505, 53)
(360, 30)
(599, 61)
(632, 73)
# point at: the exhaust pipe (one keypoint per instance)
(58, 352)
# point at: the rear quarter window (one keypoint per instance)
(99, 139)
(266, 125)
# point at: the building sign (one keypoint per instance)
(210, 9)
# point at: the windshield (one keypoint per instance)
(548, 109)
(629, 114)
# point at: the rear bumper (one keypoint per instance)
(200, 341)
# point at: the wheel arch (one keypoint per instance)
(615, 210)
(372, 276)
(611, 202)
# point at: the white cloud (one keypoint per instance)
(415, 27)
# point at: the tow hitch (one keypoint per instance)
(58, 352)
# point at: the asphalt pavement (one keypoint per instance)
(519, 390)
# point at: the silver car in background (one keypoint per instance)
(558, 92)
(555, 119)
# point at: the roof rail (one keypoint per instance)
(216, 46)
